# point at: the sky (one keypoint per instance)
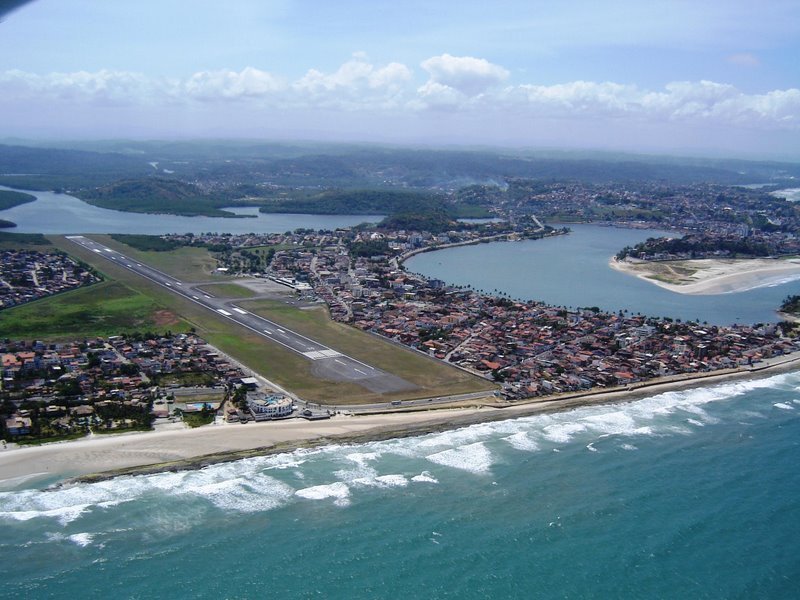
(697, 77)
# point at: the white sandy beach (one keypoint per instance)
(108, 452)
(718, 276)
(100, 454)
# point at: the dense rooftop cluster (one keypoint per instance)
(532, 348)
(27, 275)
(58, 389)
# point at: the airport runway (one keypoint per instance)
(327, 362)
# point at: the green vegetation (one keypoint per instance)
(9, 199)
(11, 241)
(434, 221)
(184, 379)
(372, 248)
(116, 417)
(159, 196)
(104, 309)
(355, 202)
(699, 245)
(432, 376)
(187, 263)
(146, 243)
(60, 169)
(228, 290)
(198, 419)
(791, 305)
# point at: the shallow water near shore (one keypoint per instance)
(572, 270)
(684, 494)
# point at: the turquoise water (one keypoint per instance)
(62, 213)
(572, 270)
(692, 494)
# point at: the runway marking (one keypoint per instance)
(108, 249)
(268, 332)
(96, 250)
(195, 297)
(320, 354)
(138, 264)
(168, 284)
(359, 371)
(281, 330)
(178, 283)
(206, 296)
(224, 312)
(239, 310)
(338, 361)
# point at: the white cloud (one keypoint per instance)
(103, 86)
(226, 84)
(457, 86)
(468, 75)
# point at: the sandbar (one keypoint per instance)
(711, 276)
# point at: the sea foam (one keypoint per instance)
(475, 458)
(338, 491)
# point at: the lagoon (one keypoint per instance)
(55, 213)
(572, 270)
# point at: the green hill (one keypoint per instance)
(160, 196)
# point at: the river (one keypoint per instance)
(63, 214)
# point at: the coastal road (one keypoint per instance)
(327, 363)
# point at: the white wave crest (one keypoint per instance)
(424, 477)
(522, 441)
(244, 494)
(562, 432)
(475, 458)
(81, 539)
(383, 481)
(338, 491)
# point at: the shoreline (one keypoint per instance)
(716, 276)
(189, 449)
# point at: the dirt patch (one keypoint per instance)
(164, 318)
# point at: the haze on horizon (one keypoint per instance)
(659, 77)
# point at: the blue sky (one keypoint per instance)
(689, 77)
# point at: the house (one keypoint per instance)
(18, 425)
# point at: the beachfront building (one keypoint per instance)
(273, 406)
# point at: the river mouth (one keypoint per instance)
(572, 271)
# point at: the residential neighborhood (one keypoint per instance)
(27, 275)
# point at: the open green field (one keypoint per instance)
(286, 368)
(104, 309)
(232, 291)
(189, 264)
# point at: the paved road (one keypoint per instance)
(327, 362)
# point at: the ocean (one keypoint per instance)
(686, 494)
